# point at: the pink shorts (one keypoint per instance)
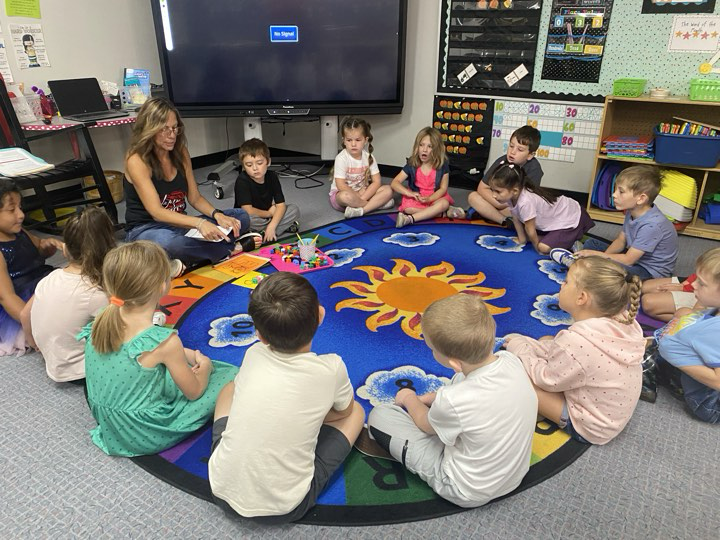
(334, 203)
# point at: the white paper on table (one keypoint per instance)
(194, 233)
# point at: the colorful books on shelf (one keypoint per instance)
(629, 146)
(18, 161)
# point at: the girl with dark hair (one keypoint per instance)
(546, 220)
(22, 266)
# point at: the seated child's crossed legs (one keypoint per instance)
(485, 205)
(393, 429)
(354, 199)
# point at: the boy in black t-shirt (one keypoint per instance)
(258, 192)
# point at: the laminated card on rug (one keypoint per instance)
(241, 264)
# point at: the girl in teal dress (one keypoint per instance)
(146, 391)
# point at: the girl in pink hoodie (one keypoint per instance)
(588, 377)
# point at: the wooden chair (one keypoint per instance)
(86, 163)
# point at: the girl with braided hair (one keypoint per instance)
(588, 377)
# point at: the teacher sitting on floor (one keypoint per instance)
(159, 183)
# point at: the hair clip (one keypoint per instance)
(628, 277)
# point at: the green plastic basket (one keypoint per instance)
(704, 90)
(629, 87)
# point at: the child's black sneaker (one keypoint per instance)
(649, 376)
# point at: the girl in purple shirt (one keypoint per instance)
(548, 221)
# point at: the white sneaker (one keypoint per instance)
(562, 256)
(388, 205)
(402, 220)
(351, 212)
(455, 212)
(177, 268)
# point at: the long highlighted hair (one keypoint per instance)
(135, 274)
(613, 289)
(150, 121)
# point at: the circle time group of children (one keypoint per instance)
(470, 441)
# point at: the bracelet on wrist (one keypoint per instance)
(200, 222)
(212, 215)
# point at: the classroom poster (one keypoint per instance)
(29, 45)
(576, 40)
(695, 33)
(678, 6)
(4, 66)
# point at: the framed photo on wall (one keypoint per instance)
(678, 6)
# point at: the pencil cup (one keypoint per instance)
(306, 247)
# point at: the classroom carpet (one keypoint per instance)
(381, 280)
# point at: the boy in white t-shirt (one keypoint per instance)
(289, 419)
(470, 441)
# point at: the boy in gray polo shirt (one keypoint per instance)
(648, 242)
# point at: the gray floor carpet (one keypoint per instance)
(659, 478)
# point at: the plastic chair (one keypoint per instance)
(86, 163)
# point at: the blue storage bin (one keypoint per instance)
(694, 150)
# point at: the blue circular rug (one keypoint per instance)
(374, 296)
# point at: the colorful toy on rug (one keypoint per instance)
(299, 257)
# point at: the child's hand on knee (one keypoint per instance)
(403, 395)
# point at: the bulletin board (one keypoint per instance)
(636, 47)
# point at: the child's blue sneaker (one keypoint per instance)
(562, 256)
(471, 213)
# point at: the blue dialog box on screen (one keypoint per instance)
(283, 33)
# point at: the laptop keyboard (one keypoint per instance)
(98, 115)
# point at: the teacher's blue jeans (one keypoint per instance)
(190, 251)
(602, 245)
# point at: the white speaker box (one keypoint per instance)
(328, 137)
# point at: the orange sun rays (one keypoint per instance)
(404, 293)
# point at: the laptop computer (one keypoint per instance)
(81, 100)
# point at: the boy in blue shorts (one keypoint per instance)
(648, 243)
(524, 142)
(289, 419)
(258, 192)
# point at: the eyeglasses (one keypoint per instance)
(175, 130)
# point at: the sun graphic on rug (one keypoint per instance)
(405, 292)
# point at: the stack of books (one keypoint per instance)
(678, 196)
(18, 161)
(629, 147)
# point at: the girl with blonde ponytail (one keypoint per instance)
(145, 390)
(588, 377)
